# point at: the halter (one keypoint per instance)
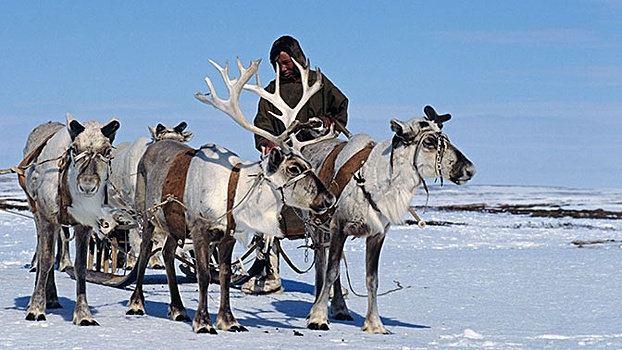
(441, 147)
(288, 183)
(86, 157)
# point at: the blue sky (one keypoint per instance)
(535, 87)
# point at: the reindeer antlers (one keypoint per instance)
(433, 116)
(231, 105)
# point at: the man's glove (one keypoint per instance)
(265, 146)
(319, 126)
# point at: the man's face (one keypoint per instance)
(287, 69)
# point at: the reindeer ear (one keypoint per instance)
(403, 132)
(110, 130)
(160, 128)
(187, 135)
(397, 126)
(73, 126)
(433, 116)
(152, 131)
(181, 127)
(276, 158)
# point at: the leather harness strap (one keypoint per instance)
(174, 186)
(64, 197)
(21, 178)
(327, 170)
(233, 185)
(345, 173)
(348, 169)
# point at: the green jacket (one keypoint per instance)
(329, 101)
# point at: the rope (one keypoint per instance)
(170, 198)
(16, 213)
(397, 283)
(20, 169)
(289, 261)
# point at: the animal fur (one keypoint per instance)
(377, 197)
(261, 192)
(77, 153)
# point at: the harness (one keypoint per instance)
(174, 188)
(24, 164)
(67, 158)
(338, 182)
(352, 168)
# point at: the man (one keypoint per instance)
(329, 105)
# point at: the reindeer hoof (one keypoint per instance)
(87, 322)
(318, 327)
(209, 330)
(237, 329)
(182, 318)
(135, 312)
(32, 317)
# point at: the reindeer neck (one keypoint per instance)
(259, 201)
(391, 183)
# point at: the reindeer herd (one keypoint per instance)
(74, 177)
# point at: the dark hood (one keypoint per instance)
(290, 46)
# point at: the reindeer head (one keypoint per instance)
(89, 154)
(430, 151)
(161, 132)
(297, 184)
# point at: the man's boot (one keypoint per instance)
(269, 281)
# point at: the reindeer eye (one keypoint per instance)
(429, 142)
(294, 170)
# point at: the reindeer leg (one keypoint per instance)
(318, 317)
(320, 239)
(81, 314)
(135, 241)
(176, 309)
(45, 267)
(338, 307)
(63, 258)
(373, 324)
(225, 320)
(201, 243)
(136, 305)
(51, 295)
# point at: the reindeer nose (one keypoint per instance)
(470, 171)
(88, 184)
(324, 202)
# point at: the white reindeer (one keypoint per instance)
(122, 189)
(219, 195)
(65, 171)
(374, 183)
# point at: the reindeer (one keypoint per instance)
(122, 189)
(214, 196)
(124, 161)
(374, 183)
(64, 175)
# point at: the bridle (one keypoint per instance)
(82, 160)
(309, 170)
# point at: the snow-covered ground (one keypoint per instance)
(474, 279)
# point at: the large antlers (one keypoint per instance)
(289, 114)
(231, 105)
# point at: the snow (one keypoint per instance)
(480, 280)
